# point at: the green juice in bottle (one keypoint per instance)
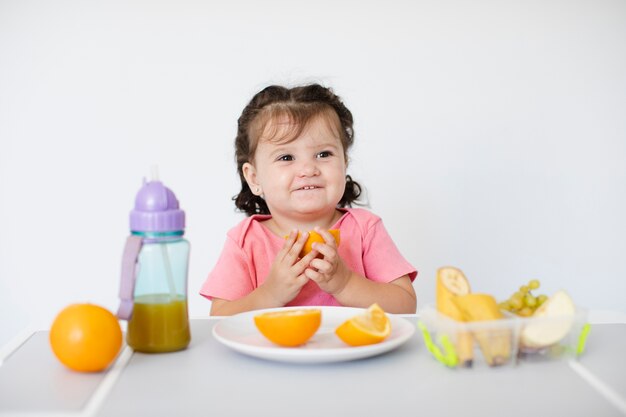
(158, 324)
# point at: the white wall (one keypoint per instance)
(491, 135)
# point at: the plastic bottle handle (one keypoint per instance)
(127, 281)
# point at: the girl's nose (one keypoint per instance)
(309, 169)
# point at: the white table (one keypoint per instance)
(210, 379)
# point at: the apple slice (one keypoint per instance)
(550, 323)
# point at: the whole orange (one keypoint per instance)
(85, 337)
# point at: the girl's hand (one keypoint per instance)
(286, 277)
(330, 272)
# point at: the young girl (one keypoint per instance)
(291, 151)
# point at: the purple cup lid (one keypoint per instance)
(156, 210)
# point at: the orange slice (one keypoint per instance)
(368, 328)
(289, 327)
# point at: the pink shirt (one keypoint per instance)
(250, 249)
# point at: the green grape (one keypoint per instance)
(530, 301)
(516, 302)
(541, 299)
(533, 284)
(523, 302)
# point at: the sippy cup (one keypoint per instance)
(153, 288)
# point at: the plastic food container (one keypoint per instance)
(505, 342)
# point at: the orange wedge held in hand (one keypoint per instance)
(371, 327)
(289, 328)
(316, 237)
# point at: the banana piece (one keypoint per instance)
(451, 282)
(495, 343)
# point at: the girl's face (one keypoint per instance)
(302, 179)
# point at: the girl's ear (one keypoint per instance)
(249, 173)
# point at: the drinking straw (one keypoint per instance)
(154, 174)
(168, 272)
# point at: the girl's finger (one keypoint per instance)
(321, 265)
(328, 238)
(302, 279)
(313, 275)
(291, 237)
(288, 245)
(325, 249)
(294, 251)
(304, 263)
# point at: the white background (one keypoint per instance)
(490, 135)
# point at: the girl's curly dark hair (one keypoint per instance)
(299, 104)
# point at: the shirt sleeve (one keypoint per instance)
(382, 260)
(232, 277)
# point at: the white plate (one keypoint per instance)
(239, 333)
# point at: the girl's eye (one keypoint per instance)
(285, 158)
(324, 154)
